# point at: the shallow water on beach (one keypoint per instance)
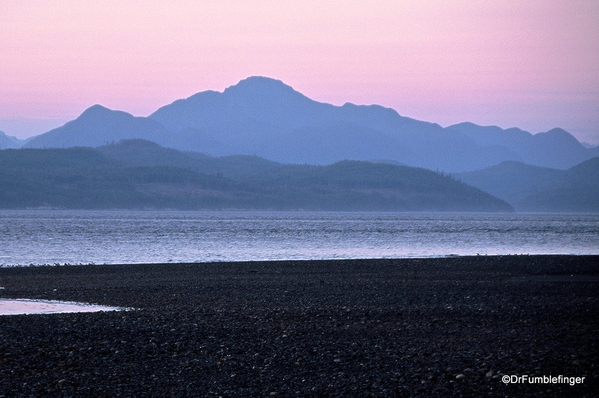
(82, 237)
(25, 306)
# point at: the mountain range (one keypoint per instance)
(541, 189)
(139, 174)
(264, 117)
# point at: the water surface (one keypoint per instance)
(58, 237)
(26, 306)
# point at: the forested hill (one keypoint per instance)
(138, 174)
(540, 189)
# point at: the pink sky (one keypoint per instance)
(531, 64)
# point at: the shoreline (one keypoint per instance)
(299, 260)
(451, 326)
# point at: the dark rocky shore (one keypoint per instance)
(429, 327)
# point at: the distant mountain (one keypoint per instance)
(555, 148)
(539, 189)
(7, 141)
(141, 174)
(98, 126)
(82, 178)
(264, 117)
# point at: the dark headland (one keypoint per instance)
(430, 327)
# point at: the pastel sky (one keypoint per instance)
(533, 64)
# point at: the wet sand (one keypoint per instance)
(431, 327)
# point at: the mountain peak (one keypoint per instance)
(99, 112)
(559, 135)
(95, 109)
(261, 86)
(253, 81)
(556, 131)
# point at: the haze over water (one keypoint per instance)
(74, 237)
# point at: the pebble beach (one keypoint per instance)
(450, 327)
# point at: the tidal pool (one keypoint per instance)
(27, 306)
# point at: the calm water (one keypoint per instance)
(24, 306)
(49, 237)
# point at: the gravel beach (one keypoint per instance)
(431, 327)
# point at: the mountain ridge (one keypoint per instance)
(136, 174)
(265, 117)
(541, 189)
(8, 141)
(97, 126)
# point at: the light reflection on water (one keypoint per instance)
(25, 306)
(49, 237)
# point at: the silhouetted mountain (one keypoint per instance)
(146, 153)
(7, 141)
(539, 189)
(264, 117)
(555, 148)
(141, 174)
(97, 126)
(82, 178)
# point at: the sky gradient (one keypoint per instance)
(531, 64)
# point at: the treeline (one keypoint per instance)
(139, 174)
